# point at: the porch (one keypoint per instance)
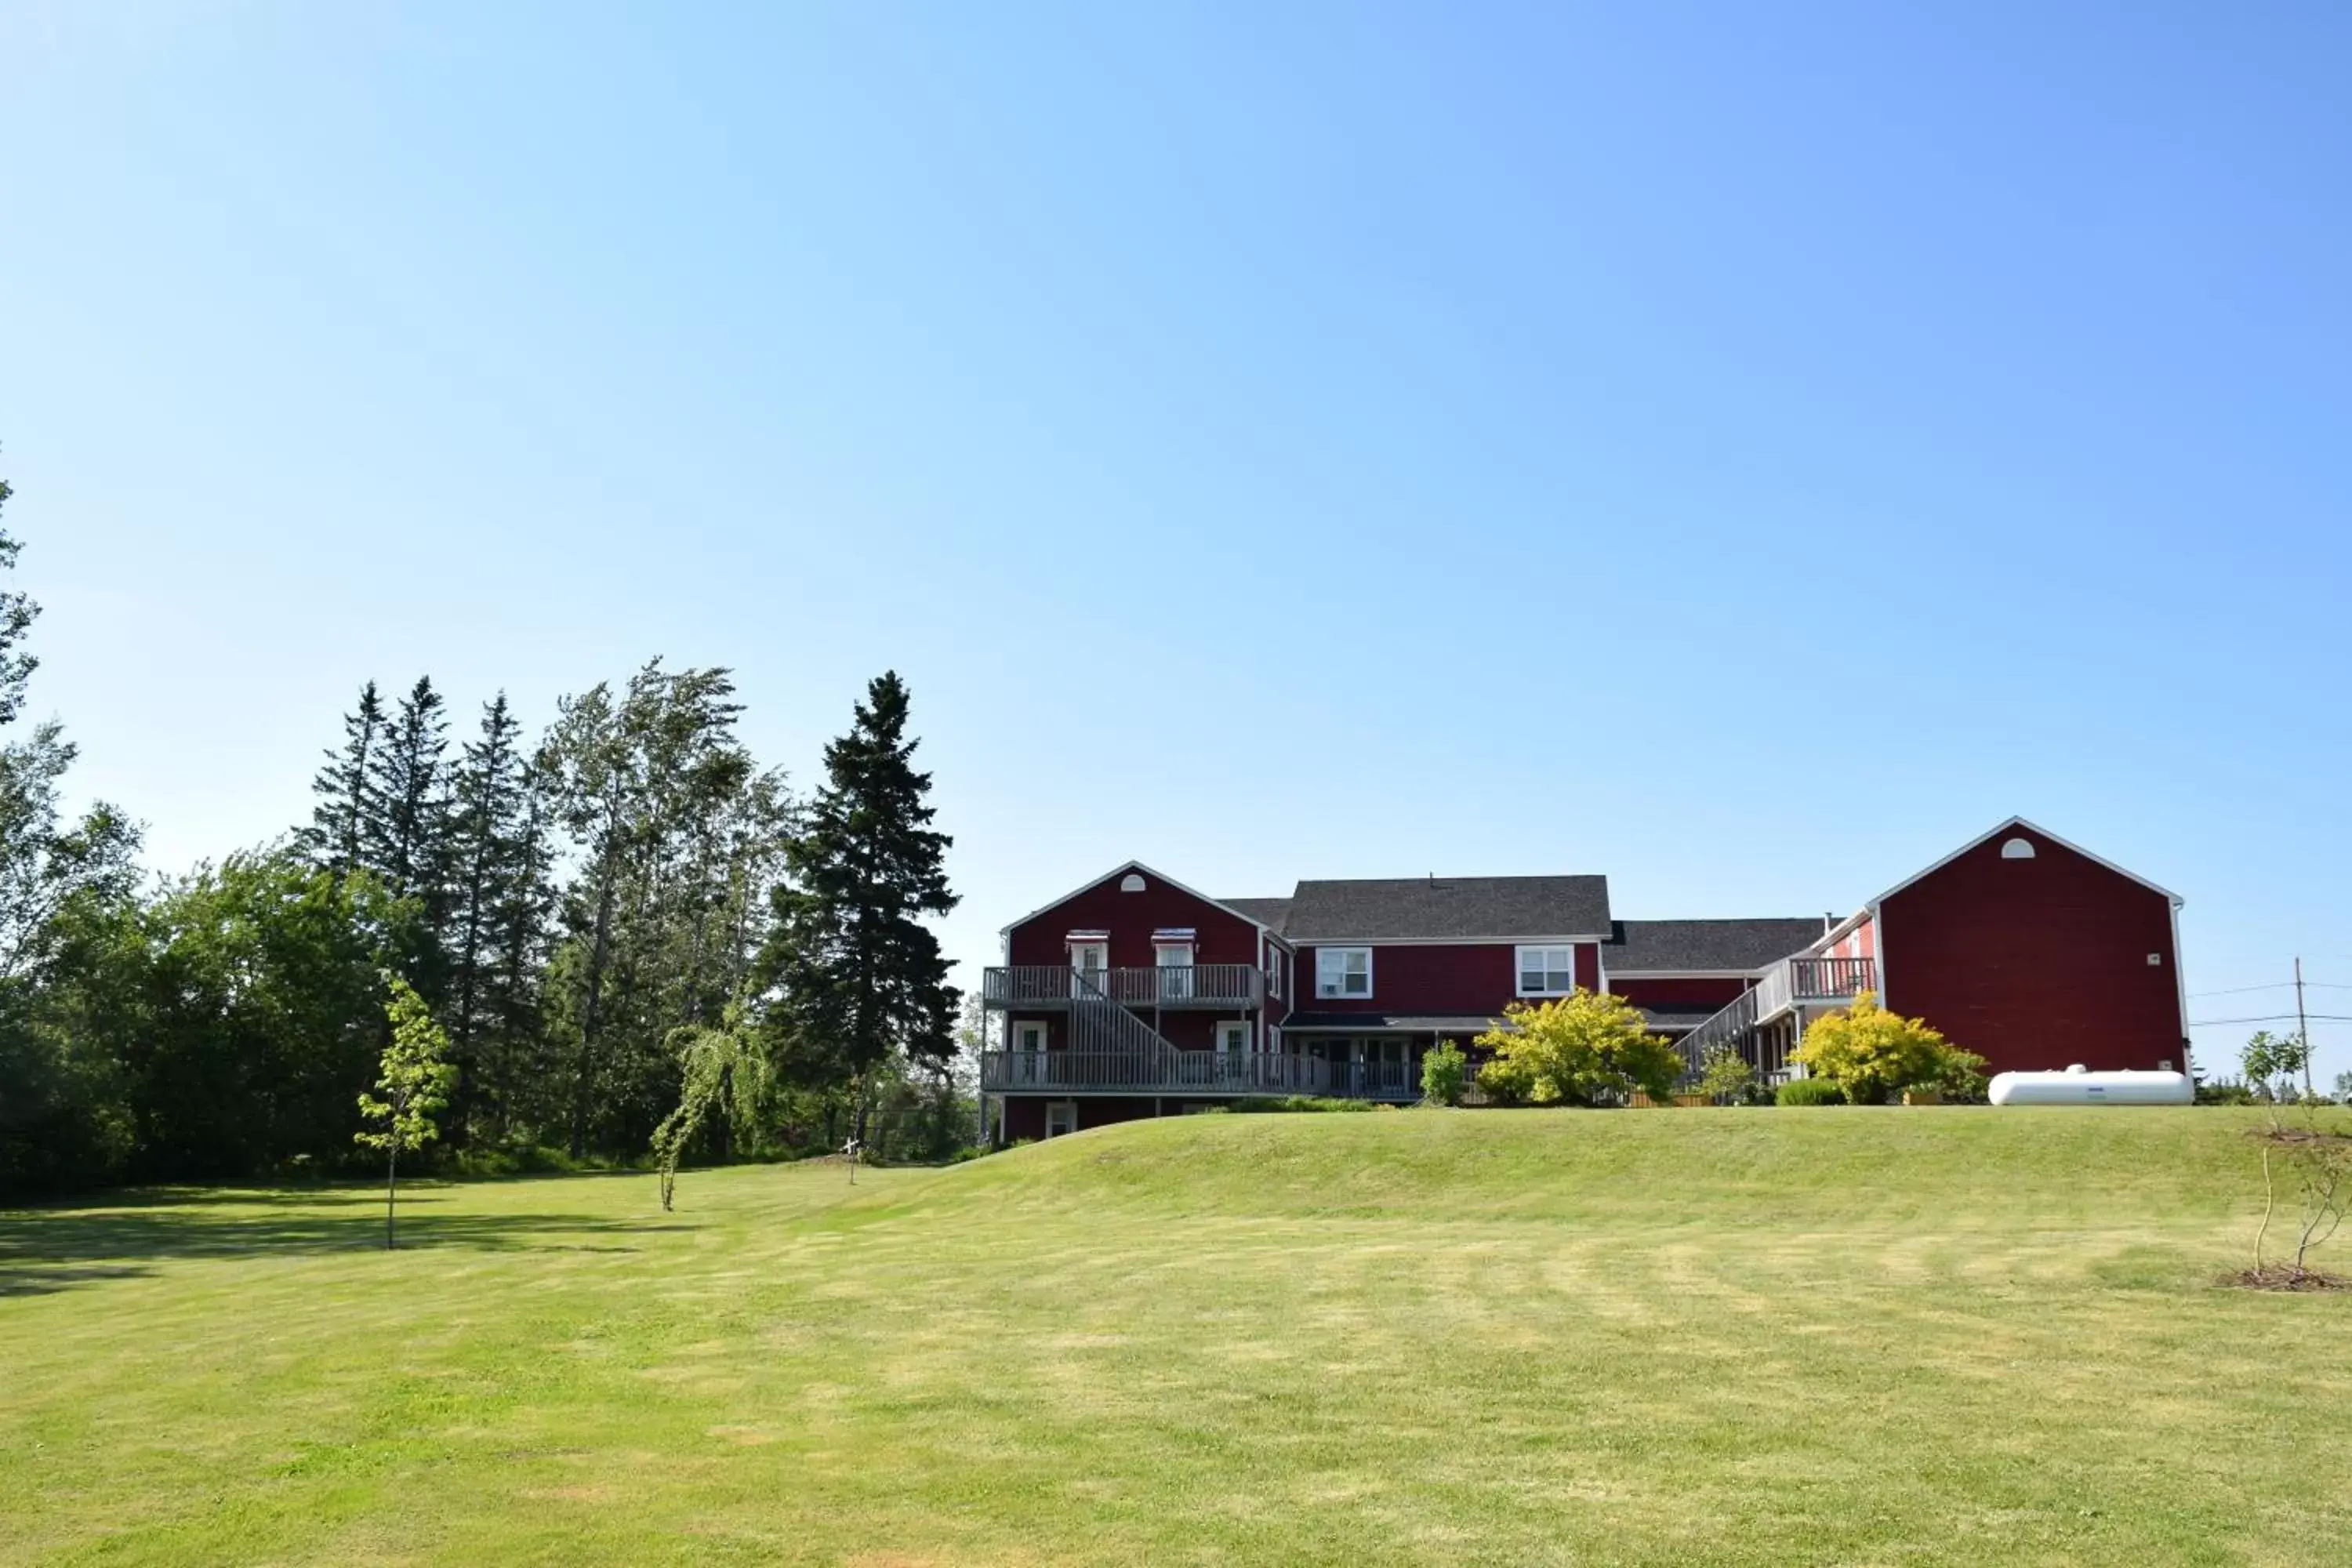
(1054, 987)
(1379, 1074)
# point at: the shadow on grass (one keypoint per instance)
(49, 1250)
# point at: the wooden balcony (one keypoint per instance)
(1800, 982)
(1047, 987)
(1192, 1072)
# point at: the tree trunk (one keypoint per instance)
(391, 1190)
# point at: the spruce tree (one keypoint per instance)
(861, 976)
(405, 831)
(336, 839)
(486, 856)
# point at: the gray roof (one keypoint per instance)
(1674, 1019)
(1401, 1023)
(1635, 946)
(1448, 908)
(1265, 912)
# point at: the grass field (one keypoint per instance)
(1856, 1336)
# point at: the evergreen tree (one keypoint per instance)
(336, 839)
(405, 833)
(861, 976)
(486, 857)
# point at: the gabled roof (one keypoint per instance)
(1448, 909)
(1636, 947)
(1121, 870)
(2002, 827)
(1268, 912)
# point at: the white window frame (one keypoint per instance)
(1323, 959)
(1519, 969)
(1227, 1030)
(1060, 1109)
(1025, 1030)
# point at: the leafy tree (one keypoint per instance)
(2344, 1089)
(1445, 1074)
(1586, 1049)
(723, 1068)
(2272, 1063)
(861, 977)
(16, 613)
(336, 839)
(1872, 1054)
(1726, 1076)
(672, 823)
(413, 1082)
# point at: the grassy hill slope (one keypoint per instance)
(1655, 1337)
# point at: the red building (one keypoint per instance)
(1135, 995)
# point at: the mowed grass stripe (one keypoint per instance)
(1953, 1335)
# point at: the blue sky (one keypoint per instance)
(1745, 450)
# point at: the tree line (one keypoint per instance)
(581, 911)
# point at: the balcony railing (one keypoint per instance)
(1181, 1072)
(1046, 985)
(1795, 981)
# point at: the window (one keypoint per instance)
(1028, 1037)
(1060, 1116)
(1233, 1040)
(1547, 971)
(1275, 965)
(2018, 850)
(1343, 972)
(1131, 883)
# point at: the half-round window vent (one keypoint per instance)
(1133, 881)
(2017, 849)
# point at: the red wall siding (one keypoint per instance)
(1130, 918)
(1024, 1114)
(1677, 995)
(1435, 978)
(1861, 942)
(2036, 963)
(1186, 1030)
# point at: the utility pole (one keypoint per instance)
(2302, 1027)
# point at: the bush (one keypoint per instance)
(1808, 1091)
(1875, 1055)
(1445, 1074)
(1587, 1048)
(1727, 1076)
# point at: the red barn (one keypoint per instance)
(2035, 954)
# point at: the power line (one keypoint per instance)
(2271, 1018)
(2274, 986)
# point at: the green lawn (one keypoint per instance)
(1860, 1336)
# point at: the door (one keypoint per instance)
(1088, 961)
(1233, 1054)
(1029, 1053)
(1175, 971)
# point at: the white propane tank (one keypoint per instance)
(2078, 1085)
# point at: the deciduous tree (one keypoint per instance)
(1586, 1049)
(411, 1084)
(1872, 1055)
